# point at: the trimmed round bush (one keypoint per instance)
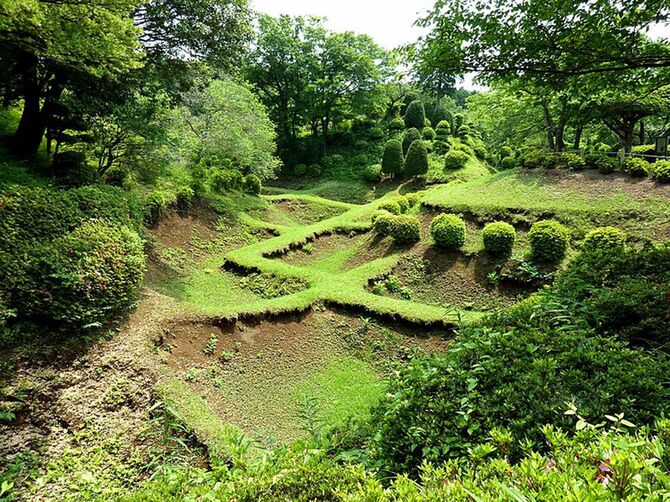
(499, 238)
(391, 206)
(373, 173)
(448, 231)
(428, 133)
(252, 184)
(397, 124)
(405, 229)
(414, 198)
(455, 159)
(604, 239)
(636, 166)
(416, 162)
(403, 203)
(570, 161)
(415, 116)
(660, 171)
(300, 170)
(506, 151)
(508, 163)
(548, 241)
(85, 278)
(393, 160)
(464, 131)
(410, 136)
(382, 221)
(225, 180)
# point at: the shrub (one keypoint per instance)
(604, 239)
(602, 163)
(155, 205)
(508, 163)
(71, 170)
(225, 180)
(428, 133)
(397, 124)
(570, 161)
(444, 127)
(644, 149)
(403, 203)
(300, 170)
(548, 241)
(393, 161)
(499, 238)
(534, 159)
(252, 184)
(184, 197)
(415, 116)
(391, 206)
(636, 166)
(416, 162)
(410, 136)
(382, 221)
(117, 176)
(405, 229)
(414, 198)
(85, 278)
(660, 171)
(455, 159)
(464, 131)
(373, 173)
(441, 142)
(506, 151)
(448, 231)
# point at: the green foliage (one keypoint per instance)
(499, 238)
(84, 279)
(448, 231)
(441, 142)
(155, 204)
(508, 163)
(405, 229)
(397, 124)
(251, 184)
(604, 239)
(459, 399)
(300, 170)
(71, 170)
(416, 162)
(455, 159)
(506, 151)
(393, 161)
(636, 166)
(410, 136)
(428, 133)
(414, 198)
(225, 180)
(535, 159)
(570, 161)
(660, 171)
(403, 203)
(382, 222)
(373, 173)
(392, 206)
(415, 117)
(549, 241)
(184, 196)
(602, 163)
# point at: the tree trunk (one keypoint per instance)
(32, 125)
(642, 134)
(578, 137)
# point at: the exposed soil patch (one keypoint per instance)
(306, 213)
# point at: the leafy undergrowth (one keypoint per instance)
(474, 169)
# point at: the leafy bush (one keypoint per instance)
(373, 173)
(570, 161)
(393, 161)
(410, 136)
(403, 203)
(602, 163)
(416, 162)
(428, 133)
(548, 241)
(391, 206)
(636, 166)
(184, 197)
(251, 184)
(508, 163)
(535, 159)
(155, 205)
(117, 176)
(413, 198)
(397, 124)
(604, 239)
(515, 380)
(225, 180)
(455, 159)
(464, 131)
(660, 171)
(448, 231)
(506, 151)
(300, 170)
(382, 221)
(84, 279)
(71, 170)
(405, 229)
(499, 238)
(415, 116)
(644, 149)
(441, 143)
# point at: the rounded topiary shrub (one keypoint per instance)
(85, 278)
(252, 184)
(405, 229)
(403, 203)
(548, 241)
(225, 180)
(455, 159)
(393, 160)
(660, 171)
(414, 198)
(499, 238)
(416, 162)
(605, 239)
(505, 151)
(373, 173)
(535, 159)
(397, 124)
(448, 231)
(415, 115)
(636, 166)
(428, 133)
(391, 206)
(570, 161)
(508, 163)
(410, 136)
(299, 170)
(382, 221)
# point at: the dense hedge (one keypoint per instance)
(393, 160)
(226, 180)
(549, 241)
(428, 133)
(410, 136)
(373, 173)
(416, 163)
(252, 184)
(448, 231)
(415, 116)
(499, 238)
(405, 229)
(660, 171)
(604, 239)
(508, 163)
(455, 159)
(382, 222)
(391, 206)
